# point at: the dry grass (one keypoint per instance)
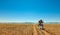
(53, 29)
(27, 29)
(16, 29)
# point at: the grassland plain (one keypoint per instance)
(28, 29)
(53, 29)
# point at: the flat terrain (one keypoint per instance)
(53, 29)
(29, 29)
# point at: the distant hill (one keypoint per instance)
(29, 23)
(17, 23)
(52, 23)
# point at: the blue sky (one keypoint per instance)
(29, 10)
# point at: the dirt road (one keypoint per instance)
(37, 30)
(46, 33)
(34, 31)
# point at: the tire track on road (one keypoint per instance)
(34, 30)
(43, 32)
(46, 33)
